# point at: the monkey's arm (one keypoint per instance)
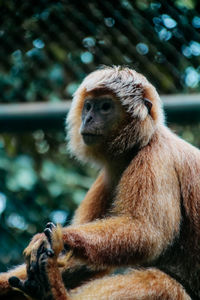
(115, 241)
(94, 203)
(91, 208)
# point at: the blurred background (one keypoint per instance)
(46, 49)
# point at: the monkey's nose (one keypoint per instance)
(88, 120)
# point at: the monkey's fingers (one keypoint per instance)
(15, 282)
(37, 284)
(50, 225)
(33, 265)
(27, 287)
(35, 242)
(48, 233)
(50, 279)
(55, 239)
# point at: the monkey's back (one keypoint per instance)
(182, 257)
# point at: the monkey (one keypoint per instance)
(142, 211)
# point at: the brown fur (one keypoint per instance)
(143, 209)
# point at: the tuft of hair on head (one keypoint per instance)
(130, 87)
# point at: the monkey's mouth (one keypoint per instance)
(91, 138)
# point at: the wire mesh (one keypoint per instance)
(47, 47)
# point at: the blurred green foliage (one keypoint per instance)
(47, 47)
(38, 183)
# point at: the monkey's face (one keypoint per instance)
(113, 111)
(100, 115)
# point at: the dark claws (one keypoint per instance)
(50, 225)
(48, 232)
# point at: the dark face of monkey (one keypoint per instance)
(99, 116)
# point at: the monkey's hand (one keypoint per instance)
(44, 278)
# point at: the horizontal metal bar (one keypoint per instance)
(32, 116)
(182, 109)
(48, 116)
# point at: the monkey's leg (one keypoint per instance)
(149, 284)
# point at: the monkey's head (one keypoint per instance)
(113, 111)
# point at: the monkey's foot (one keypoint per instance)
(44, 279)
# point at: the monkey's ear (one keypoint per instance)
(148, 104)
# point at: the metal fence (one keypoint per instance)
(47, 47)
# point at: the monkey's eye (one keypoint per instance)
(106, 107)
(87, 106)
